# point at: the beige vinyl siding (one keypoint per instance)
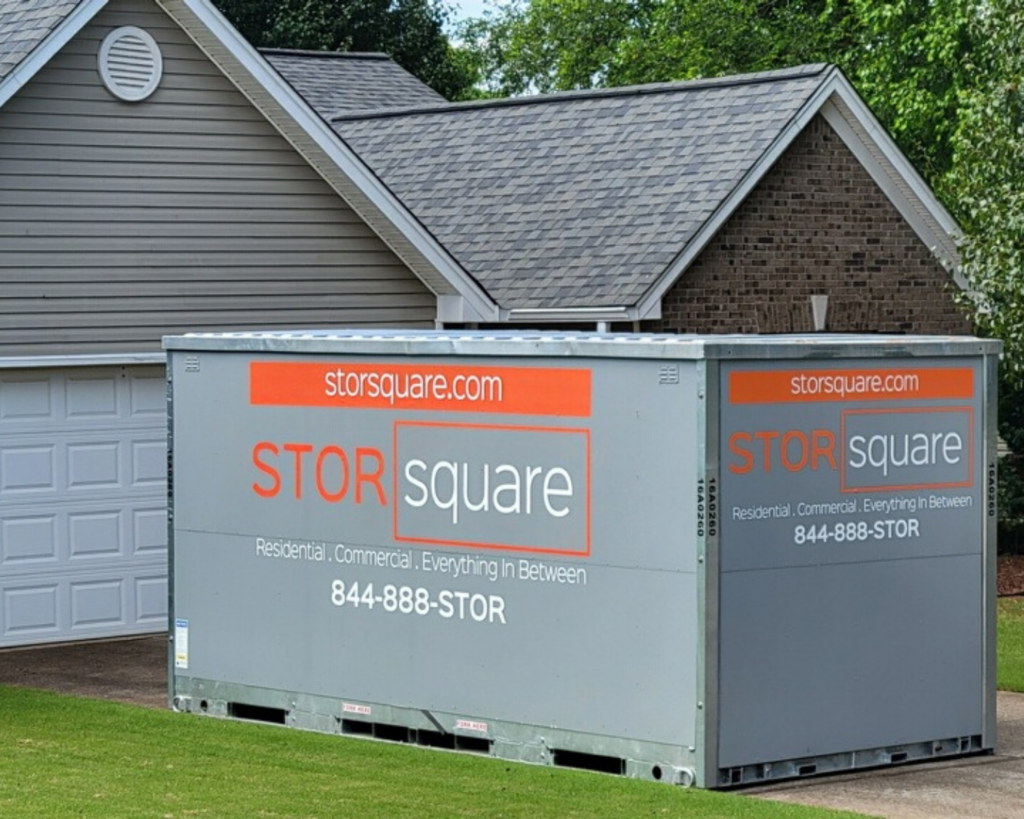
(122, 222)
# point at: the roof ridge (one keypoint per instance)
(344, 55)
(680, 86)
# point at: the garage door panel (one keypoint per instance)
(94, 604)
(149, 462)
(95, 534)
(91, 531)
(149, 531)
(97, 603)
(88, 396)
(147, 396)
(93, 465)
(83, 520)
(151, 601)
(30, 613)
(96, 462)
(28, 539)
(91, 396)
(25, 400)
(27, 469)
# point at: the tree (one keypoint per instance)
(551, 45)
(907, 59)
(720, 37)
(410, 31)
(987, 179)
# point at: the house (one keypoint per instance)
(712, 206)
(159, 175)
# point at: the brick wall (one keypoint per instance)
(816, 223)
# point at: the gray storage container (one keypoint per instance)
(699, 560)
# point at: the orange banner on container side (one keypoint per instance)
(806, 385)
(439, 388)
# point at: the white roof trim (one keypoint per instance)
(568, 314)
(344, 158)
(54, 42)
(864, 135)
(847, 113)
(455, 310)
(35, 362)
(650, 305)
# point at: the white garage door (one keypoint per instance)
(83, 503)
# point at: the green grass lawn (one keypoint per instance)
(63, 756)
(1010, 651)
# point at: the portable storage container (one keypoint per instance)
(698, 560)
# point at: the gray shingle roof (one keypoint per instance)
(24, 24)
(333, 82)
(579, 199)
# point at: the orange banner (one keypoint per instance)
(438, 388)
(798, 386)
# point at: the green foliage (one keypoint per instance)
(552, 45)
(63, 756)
(986, 186)
(411, 31)
(988, 178)
(906, 58)
(720, 37)
(1011, 466)
(1010, 637)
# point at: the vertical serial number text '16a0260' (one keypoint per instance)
(447, 604)
(853, 531)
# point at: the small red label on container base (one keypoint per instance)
(471, 725)
(352, 708)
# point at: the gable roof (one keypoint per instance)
(599, 200)
(577, 206)
(579, 200)
(340, 82)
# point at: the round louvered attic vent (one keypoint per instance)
(130, 64)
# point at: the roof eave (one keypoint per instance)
(327, 153)
(550, 315)
(51, 44)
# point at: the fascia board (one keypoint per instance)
(35, 362)
(389, 218)
(568, 314)
(649, 306)
(864, 135)
(44, 52)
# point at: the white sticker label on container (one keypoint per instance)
(181, 643)
(471, 725)
(352, 708)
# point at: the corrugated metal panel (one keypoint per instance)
(121, 222)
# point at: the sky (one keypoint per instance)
(464, 9)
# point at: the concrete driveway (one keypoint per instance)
(983, 787)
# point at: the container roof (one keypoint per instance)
(580, 344)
